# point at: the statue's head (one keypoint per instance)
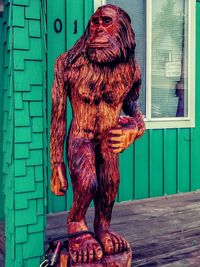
(109, 36)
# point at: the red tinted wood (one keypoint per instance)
(118, 260)
(100, 76)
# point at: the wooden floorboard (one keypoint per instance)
(162, 231)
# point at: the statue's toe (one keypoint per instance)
(98, 252)
(111, 242)
(85, 249)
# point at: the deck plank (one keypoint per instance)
(162, 231)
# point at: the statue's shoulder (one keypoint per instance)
(62, 59)
(70, 60)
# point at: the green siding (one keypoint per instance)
(183, 160)
(74, 11)
(195, 133)
(126, 189)
(8, 166)
(163, 161)
(1, 121)
(141, 167)
(56, 44)
(24, 129)
(67, 12)
(156, 162)
(170, 155)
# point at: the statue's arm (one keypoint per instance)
(132, 126)
(58, 130)
(130, 105)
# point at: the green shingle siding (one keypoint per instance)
(24, 132)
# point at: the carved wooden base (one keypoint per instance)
(118, 260)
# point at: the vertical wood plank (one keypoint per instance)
(56, 46)
(1, 121)
(74, 14)
(170, 158)
(126, 175)
(141, 167)
(195, 132)
(183, 160)
(88, 10)
(156, 162)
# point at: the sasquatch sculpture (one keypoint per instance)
(100, 76)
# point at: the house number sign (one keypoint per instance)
(58, 25)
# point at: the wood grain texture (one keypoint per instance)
(122, 259)
(100, 76)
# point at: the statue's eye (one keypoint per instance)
(95, 21)
(107, 20)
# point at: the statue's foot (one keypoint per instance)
(83, 248)
(111, 242)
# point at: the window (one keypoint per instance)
(1, 8)
(165, 50)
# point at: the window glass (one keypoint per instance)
(169, 58)
(165, 50)
(1, 7)
(137, 12)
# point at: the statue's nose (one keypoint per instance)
(100, 29)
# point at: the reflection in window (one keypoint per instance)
(169, 58)
(137, 12)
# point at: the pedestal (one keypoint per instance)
(122, 259)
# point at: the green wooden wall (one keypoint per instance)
(8, 133)
(163, 161)
(24, 131)
(57, 43)
(1, 121)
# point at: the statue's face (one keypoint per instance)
(103, 28)
(102, 44)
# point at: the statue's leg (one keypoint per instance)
(81, 158)
(108, 180)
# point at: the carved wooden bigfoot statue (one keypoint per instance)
(100, 75)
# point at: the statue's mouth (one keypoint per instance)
(99, 42)
(99, 45)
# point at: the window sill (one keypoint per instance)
(169, 123)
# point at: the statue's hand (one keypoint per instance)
(125, 133)
(59, 183)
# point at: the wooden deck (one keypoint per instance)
(162, 231)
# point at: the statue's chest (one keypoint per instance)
(95, 87)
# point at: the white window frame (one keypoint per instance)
(179, 122)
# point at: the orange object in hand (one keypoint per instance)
(125, 133)
(59, 183)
